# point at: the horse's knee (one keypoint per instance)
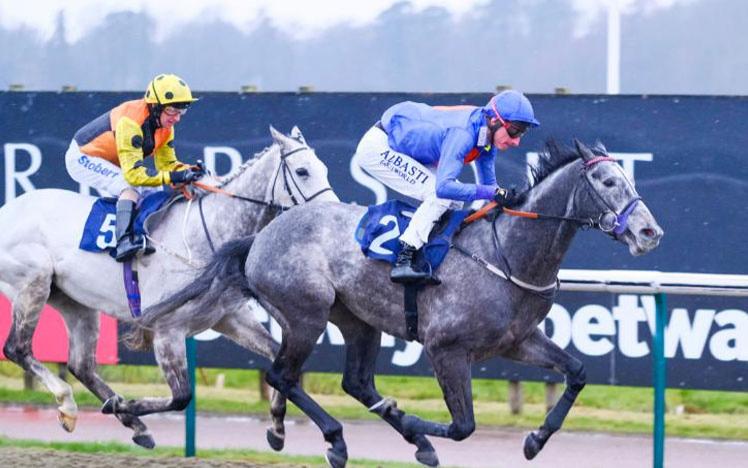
(274, 378)
(180, 401)
(460, 431)
(11, 351)
(576, 378)
(80, 371)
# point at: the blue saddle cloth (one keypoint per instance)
(379, 230)
(100, 228)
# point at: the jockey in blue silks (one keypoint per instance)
(419, 150)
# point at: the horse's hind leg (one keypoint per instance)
(296, 346)
(171, 355)
(26, 309)
(83, 330)
(539, 350)
(240, 325)
(362, 346)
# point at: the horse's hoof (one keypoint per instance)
(66, 421)
(335, 460)
(144, 440)
(427, 457)
(275, 440)
(533, 445)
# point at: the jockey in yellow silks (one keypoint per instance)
(108, 153)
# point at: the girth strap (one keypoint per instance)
(410, 296)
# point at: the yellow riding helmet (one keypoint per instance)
(168, 90)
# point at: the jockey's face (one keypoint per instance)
(170, 116)
(503, 141)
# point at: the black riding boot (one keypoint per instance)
(404, 271)
(127, 245)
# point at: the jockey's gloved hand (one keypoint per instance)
(504, 196)
(200, 168)
(185, 176)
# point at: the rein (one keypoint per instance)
(609, 222)
(287, 175)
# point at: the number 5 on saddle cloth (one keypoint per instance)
(378, 235)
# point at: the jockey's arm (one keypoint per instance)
(165, 158)
(129, 139)
(457, 143)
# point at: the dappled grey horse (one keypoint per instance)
(306, 268)
(40, 262)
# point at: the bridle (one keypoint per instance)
(284, 169)
(610, 222)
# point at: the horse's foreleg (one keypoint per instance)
(83, 330)
(240, 325)
(452, 370)
(26, 309)
(362, 347)
(539, 350)
(284, 376)
(170, 351)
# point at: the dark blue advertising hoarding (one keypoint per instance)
(685, 154)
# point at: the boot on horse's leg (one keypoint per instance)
(404, 270)
(127, 243)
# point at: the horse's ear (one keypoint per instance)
(583, 150)
(600, 148)
(296, 135)
(277, 136)
(282, 140)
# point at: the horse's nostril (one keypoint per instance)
(648, 233)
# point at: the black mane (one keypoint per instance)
(553, 157)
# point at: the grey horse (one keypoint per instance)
(306, 268)
(40, 262)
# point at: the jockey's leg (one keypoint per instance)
(362, 347)
(540, 351)
(83, 333)
(27, 304)
(127, 243)
(415, 236)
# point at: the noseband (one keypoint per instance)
(610, 221)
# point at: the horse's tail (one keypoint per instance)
(226, 269)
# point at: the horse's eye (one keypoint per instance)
(609, 182)
(301, 172)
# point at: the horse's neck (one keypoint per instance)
(233, 217)
(534, 249)
(225, 217)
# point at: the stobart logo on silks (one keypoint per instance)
(409, 173)
(96, 167)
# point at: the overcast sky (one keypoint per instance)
(300, 19)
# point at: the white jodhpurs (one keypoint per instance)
(98, 173)
(405, 175)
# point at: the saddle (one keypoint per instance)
(99, 229)
(378, 233)
(99, 235)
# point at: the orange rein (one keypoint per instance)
(483, 211)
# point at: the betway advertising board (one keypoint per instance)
(684, 153)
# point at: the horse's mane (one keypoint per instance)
(245, 165)
(553, 157)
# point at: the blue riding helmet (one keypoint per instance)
(512, 106)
